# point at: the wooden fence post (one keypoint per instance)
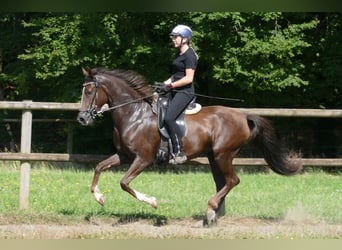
(70, 138)
(25, 167)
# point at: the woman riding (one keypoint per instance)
(181, 87)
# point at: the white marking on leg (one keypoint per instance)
(98, 195)
(143, 197)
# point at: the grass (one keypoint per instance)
(62, 195)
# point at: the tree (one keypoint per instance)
(255, 51)
(68, 42)
(325, 63)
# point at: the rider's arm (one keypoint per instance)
(187, 79)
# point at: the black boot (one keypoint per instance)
(178, 153)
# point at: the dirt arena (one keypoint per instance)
(227, 228)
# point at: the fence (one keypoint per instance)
(25, 155)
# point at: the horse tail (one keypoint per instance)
(277, 157)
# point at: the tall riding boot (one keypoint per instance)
(178, 152)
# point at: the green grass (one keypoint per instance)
(63, 195)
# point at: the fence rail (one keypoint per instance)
(328, 113)
(332, 113)
(200, 160)
(29, 105)
(25, 155)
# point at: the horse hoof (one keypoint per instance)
(100, 200)
(154, 203)
(210, 219)
(98, 196)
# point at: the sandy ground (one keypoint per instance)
(226, 228)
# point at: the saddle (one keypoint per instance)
(159, 106)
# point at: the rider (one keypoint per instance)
(181, 87)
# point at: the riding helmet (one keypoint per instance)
(182, 30)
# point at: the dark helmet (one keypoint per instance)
(182, 30)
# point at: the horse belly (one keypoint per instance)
(216, 128)
(198, 137)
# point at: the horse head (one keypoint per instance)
(117, 88)
(94, 97)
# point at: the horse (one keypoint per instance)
(216, 132)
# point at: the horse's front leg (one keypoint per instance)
(112, 161)
(135, 169)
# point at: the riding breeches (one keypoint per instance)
(177, 105)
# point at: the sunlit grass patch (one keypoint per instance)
(58, 193)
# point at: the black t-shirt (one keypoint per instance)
(188, 60)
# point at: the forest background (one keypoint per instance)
(268, 59)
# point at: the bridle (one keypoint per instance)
(93, 105)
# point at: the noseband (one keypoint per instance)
(93, 105)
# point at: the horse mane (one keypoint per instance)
(133, 80)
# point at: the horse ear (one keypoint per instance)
(87, 72)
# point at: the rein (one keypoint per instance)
(95, 113)
(148, 96)
(123, 104)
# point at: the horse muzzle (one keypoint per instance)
(85, 118)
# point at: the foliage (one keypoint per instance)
(14, 39)
(256, 51)
(325, 89)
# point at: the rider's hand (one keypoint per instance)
(161, 87)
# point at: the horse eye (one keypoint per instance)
(89, 91)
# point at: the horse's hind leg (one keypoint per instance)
(225, 180)
(112, 161)
(220, 181)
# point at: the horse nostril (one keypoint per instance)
(81, 120)
(84, 118)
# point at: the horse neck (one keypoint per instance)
(124, 115)
(126, 118)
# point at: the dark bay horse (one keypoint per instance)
(217, 132)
